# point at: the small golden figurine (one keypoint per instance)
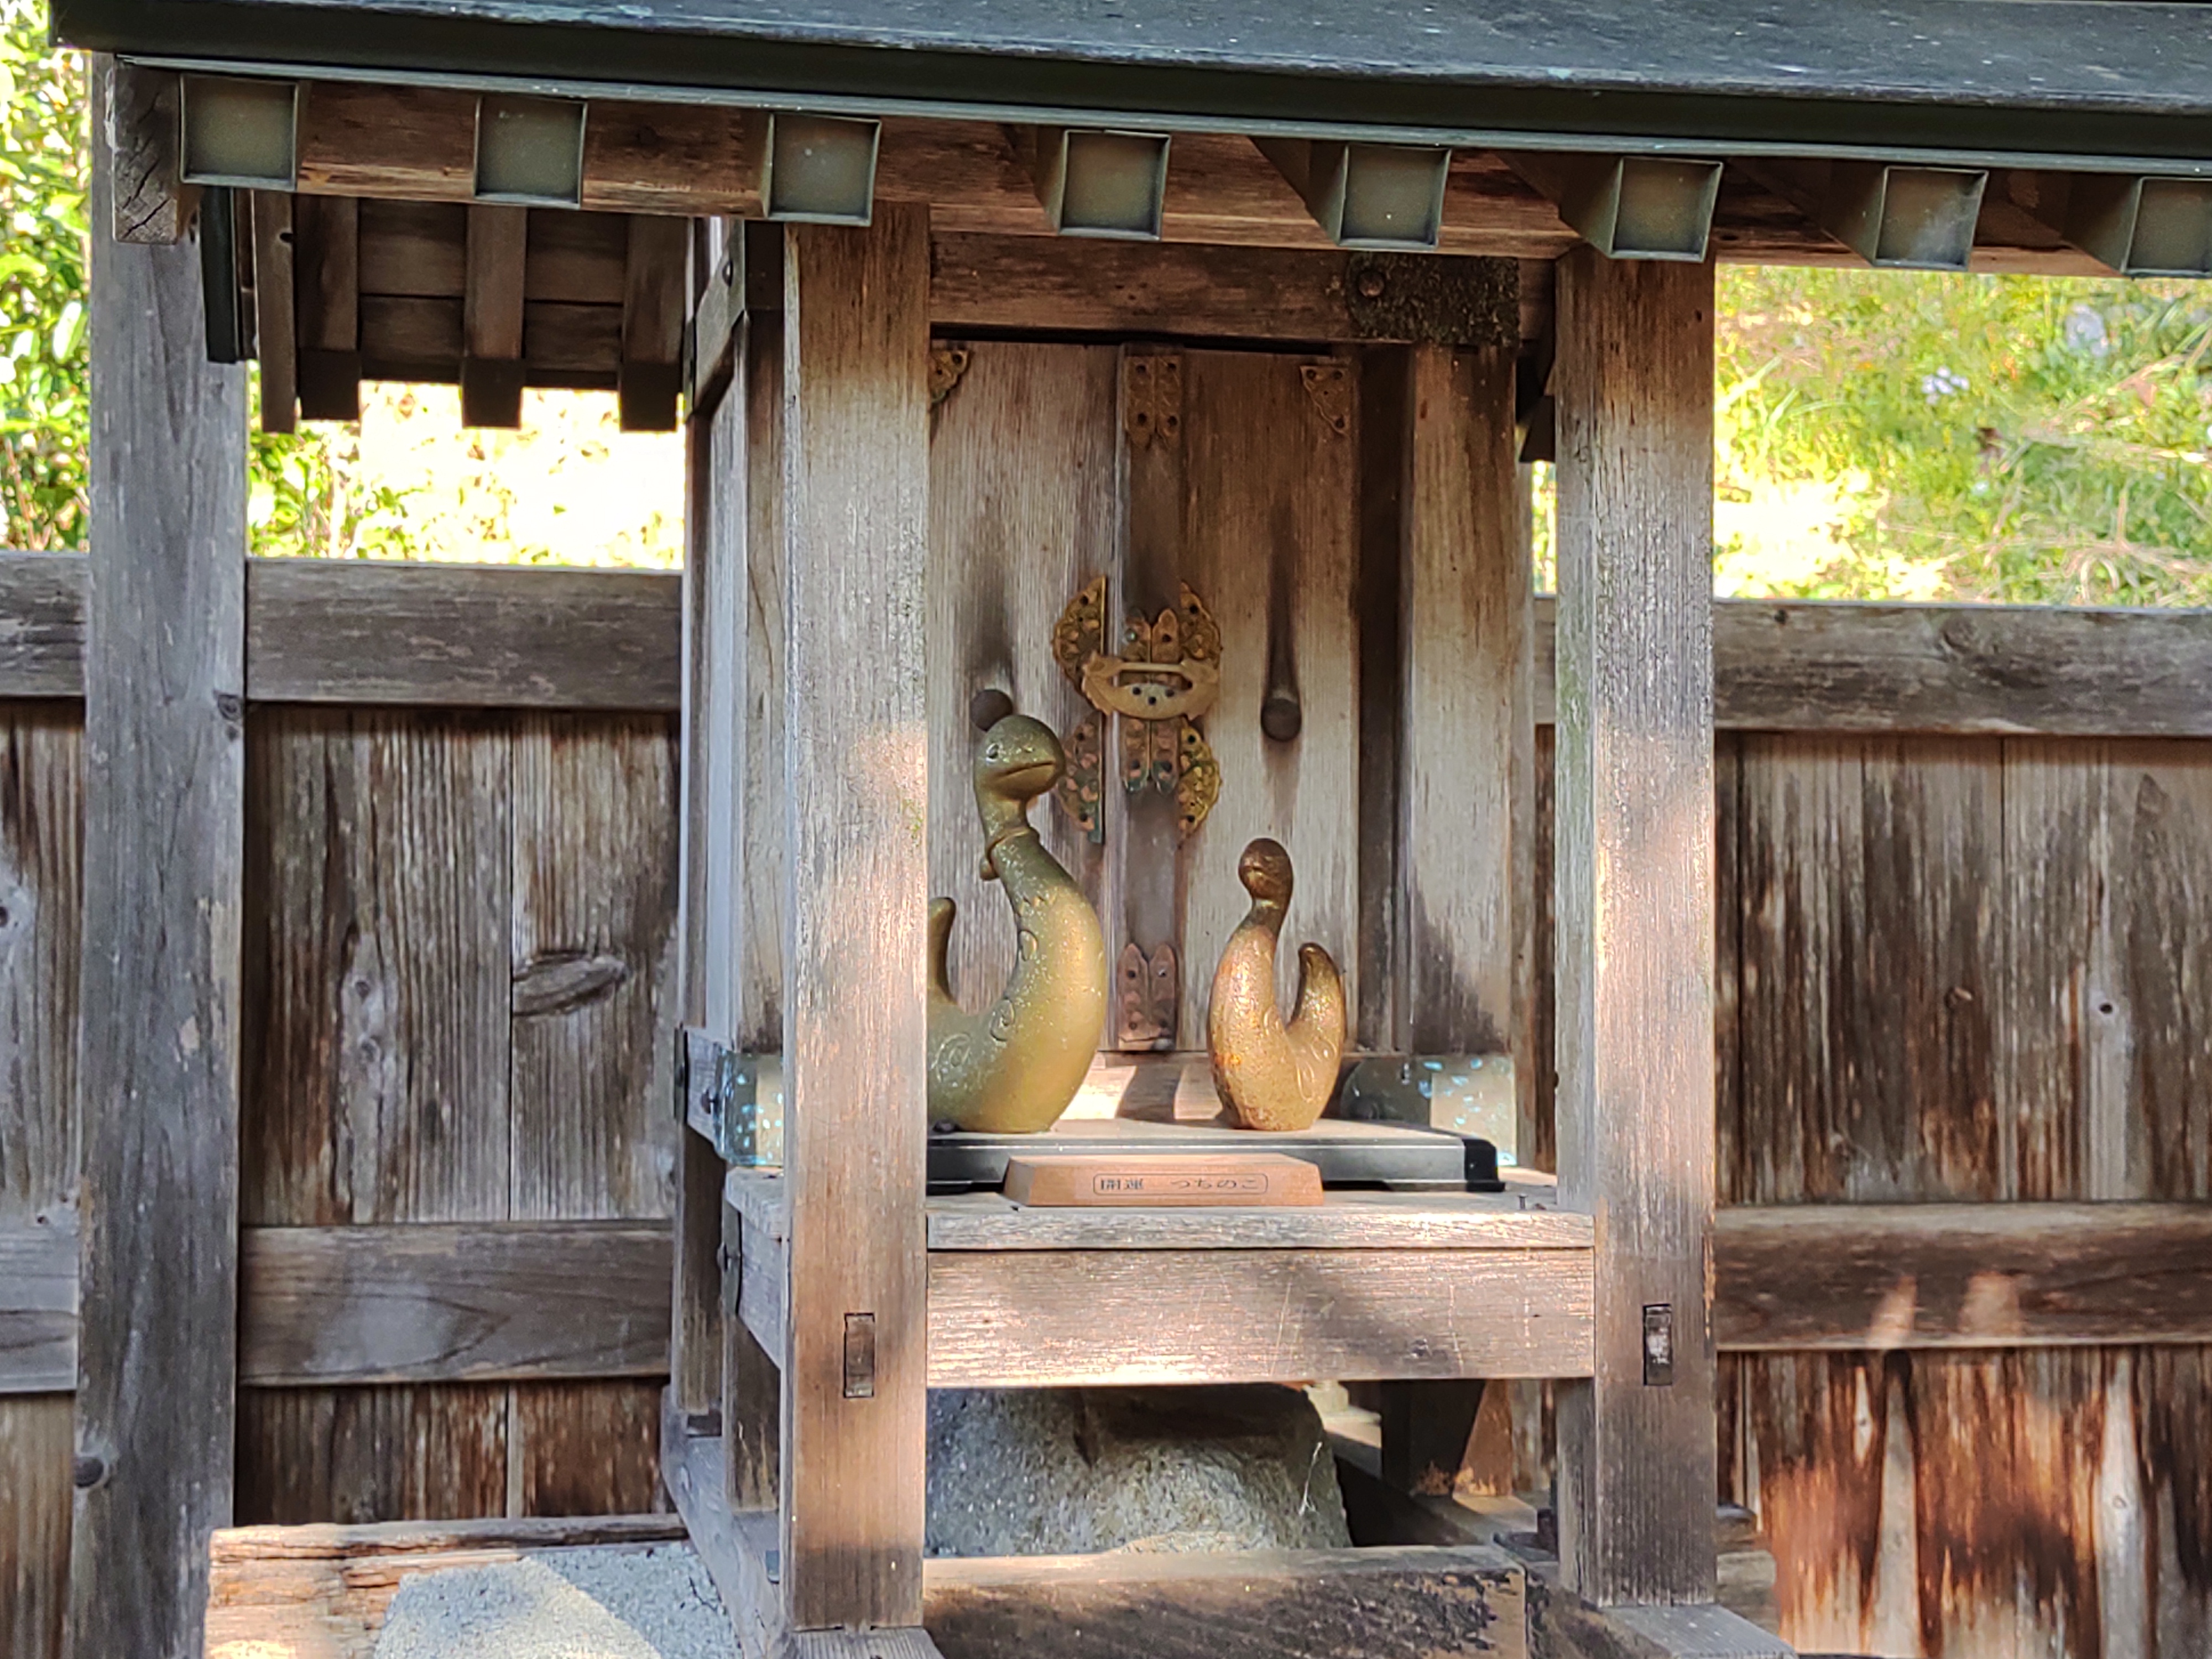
(1272, 1076)
(1013, 1069)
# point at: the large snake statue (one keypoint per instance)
(1014, 1068)
(1269, 1075)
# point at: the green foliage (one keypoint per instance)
(43, 361)
(307, 495)
(2008, 438)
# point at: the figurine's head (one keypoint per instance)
(1020, 759)
(1265, 870)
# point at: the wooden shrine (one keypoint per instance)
(944, 362)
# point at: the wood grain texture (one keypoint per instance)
(324, 1591)
(2103, 1050)
(592, 815)
(696, 1339)
(1167, 290)
(37, 1304)
(326, 284)
(158, 1029)
(456, 1302)
(1146, 880)
(1635, 909)
(1353, 1220)
(41, 853)
(1870, 957)
(380, 984)
(1985, 1505)
(1468, 741)
(276, 321)
(461, 636)
(148, 204)
(1304, 1603)
(1992, 670)
(435, 1451)
(35, 1493)
(1023, 513)
(856, 485)
(500, 636)
(42, 624)
(1270, 543)
(1063, 1319)
(586, 1448)
(733, 1547)
(1884, 1277)
(380, 969)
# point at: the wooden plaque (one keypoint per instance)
(1221, 1179)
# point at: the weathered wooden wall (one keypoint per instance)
(1976, 970)
(1965, 967)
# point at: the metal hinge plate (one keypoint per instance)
(732, 1100)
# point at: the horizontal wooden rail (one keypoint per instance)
(461, 636)
(382, 631)
(1859, 1276)
(491, 636)
(469, 1302)
(441, 1302)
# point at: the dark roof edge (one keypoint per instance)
(337, 42)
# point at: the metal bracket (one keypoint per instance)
(732, 1100)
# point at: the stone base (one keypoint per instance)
(1083, 1470)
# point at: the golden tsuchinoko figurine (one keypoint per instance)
(1270, 1075)
(1014, 1068)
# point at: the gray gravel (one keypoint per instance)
(653, 1601)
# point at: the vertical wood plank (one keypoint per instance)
(42, 847)
(2102, 1066)
(327, 282)
(433, 1452)
(1271, 544)
(380, 982)
(1021, 515)
(1467, 789)
(1634, 382)
(1871, 969)
(1469, 738)
(653, 292)
(856, 477)
(586, 1449)
(35, 1524)
(275, 328)
(593, 894)
(379, 968)
(491, 315)
(158, 1054)
(41, 850)
(752, 972)
(592, 815)
(1385, 416)
(1145, 877)
(695, 1356)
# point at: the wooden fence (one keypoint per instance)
(1966, 955)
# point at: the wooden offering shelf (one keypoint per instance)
(1383, 1286)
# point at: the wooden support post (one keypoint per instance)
(653, 292)
(276, 329)
(695, 1359)
(158, 1039)
(491, 315)
(1635, 895)
(327, 282)
(749, 612)
(1467, 779)
(856, 496)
